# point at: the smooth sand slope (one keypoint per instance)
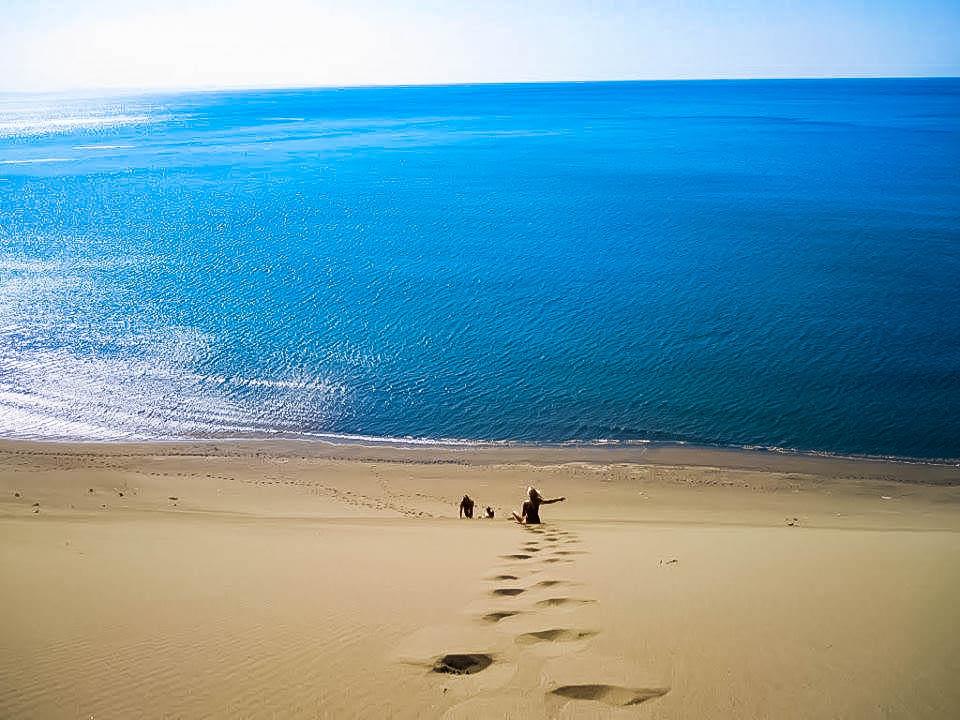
(307, 580)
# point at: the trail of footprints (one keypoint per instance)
(547, 547)
(394, 501)
(389, 501)
(543, 546)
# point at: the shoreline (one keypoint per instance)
(403, 450)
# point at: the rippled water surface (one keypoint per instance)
(773, 263)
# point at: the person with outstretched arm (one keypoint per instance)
(530, 510)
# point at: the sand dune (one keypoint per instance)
(302, 580)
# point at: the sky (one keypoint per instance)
(59, 45)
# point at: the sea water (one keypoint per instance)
(771, 263)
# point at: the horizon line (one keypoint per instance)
(170, 89)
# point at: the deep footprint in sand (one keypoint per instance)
(495, 617)
(558, 560)
(504, 577)
(551, 583)
(508, 591)
(610, 694)
(564, 601)
(462, 664)
(516, 556)
(555, 635)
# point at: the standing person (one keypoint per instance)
(530, 510)
(466, 507)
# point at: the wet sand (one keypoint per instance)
(302, 579)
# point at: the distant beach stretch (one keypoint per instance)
(749, 263)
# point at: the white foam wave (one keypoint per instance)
(102, 147)
(32, 161)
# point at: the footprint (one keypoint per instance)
(556, 560)
(517, 556)
(551, 583)
(496, 617)
(610, 694)
(508, 591)
(555, 635)
(562, 601)
(504, 577)
(462, 664)
(570, 552)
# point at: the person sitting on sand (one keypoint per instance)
(466, 507)
(488, 513)
(530, 510)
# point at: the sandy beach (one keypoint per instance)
(302, 579)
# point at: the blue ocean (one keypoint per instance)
(745, 263)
